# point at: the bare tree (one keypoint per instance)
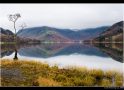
(14, 18)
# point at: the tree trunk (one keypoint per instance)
(15, 57)
(15, 38)
(15, 33)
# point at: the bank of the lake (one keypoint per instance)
(32, 73)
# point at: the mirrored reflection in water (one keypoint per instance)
(69, 54)
(114, 50)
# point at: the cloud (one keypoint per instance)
(74, 16)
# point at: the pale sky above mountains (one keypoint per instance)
(71, 16)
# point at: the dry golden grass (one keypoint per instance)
(46, 82)
(32, 73)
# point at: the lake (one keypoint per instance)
(107, 56)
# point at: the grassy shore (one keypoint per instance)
(31, 73)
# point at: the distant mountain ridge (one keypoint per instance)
(112, 34)
(114, 29)
(46, 33)
(6, 35)
(6, 31)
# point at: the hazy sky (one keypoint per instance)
(73, 16)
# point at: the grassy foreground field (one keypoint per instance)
(31, 73)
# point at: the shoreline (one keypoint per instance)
(41, 74)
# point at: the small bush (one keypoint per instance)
(98, 74)
(78, 82)
(119, 80)
(89, 81)
(109, 74)
(60, 78)
(105, 83)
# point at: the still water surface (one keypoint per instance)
(105, 56)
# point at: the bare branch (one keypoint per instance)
(23, 26)
(14, 17)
